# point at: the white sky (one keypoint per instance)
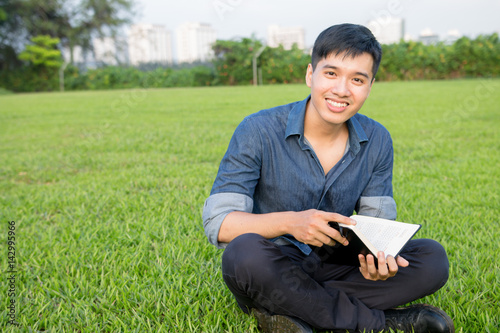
(242, 18)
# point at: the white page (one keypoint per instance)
(386, 235)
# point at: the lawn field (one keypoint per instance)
(101, 196)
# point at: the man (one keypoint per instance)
(291, 170)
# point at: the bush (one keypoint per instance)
(115, 77)
(29, 79)
(232, 65)
(282, 66)
(464, 59)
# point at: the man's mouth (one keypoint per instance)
(336, 104)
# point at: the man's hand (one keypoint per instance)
(386, 268)
(311, 227)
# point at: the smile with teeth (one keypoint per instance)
(337, 105)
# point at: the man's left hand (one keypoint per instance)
(386, 267)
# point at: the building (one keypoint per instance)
(452, 37)
(427, 37)
(387, 30)
(286, 36)
(194, 42)
(110, 51)
(78, 57)
(149, 43)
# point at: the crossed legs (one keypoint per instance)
(283, 280)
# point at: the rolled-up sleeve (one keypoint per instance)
(234, 186)
(377, 198)
(383, 207)
(216, 207)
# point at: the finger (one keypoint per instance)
(331, 243)
(363, 266)
(323, 239)
(402, 261)
(362, 262)
(372, 270)
(393, 266)
(335, 217)
(383, 270)
(315, 242)
(335, 235)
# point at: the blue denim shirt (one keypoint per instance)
(269, 167)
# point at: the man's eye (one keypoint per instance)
(358, 80)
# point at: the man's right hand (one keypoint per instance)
(311, 227)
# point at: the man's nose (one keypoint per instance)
(340, 87)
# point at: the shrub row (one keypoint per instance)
(464, 58)
(232, 65)
(114, 77)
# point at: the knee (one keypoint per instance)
(244, 253)
(431, 256)
(437, 258)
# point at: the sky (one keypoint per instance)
(246, 18)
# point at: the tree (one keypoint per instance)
(74, 22)
(43, 53)
(43, 61)
(233, 60)
(96, 18)
(284, 66)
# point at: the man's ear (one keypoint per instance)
(309, 74)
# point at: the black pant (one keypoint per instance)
(283, 280)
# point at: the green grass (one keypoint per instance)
(5, 92)
(106, 189)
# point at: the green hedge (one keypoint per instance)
(113, 77)
(466, 58)
(28, 79)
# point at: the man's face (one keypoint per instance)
(339, 87)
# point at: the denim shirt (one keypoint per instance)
(269, 167)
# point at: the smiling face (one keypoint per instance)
(339, 87)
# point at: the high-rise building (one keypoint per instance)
(427, 37)
(194, 42)
(111, 51)
(286, 36)
(149, 43)
(78, 56)
(387, 30)
(452, 36)
(104, 50)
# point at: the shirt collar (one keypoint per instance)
(295, 126)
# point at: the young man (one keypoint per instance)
(292, 169)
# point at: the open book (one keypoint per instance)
(371, 235)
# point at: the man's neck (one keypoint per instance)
(327, 140)
(317, 130)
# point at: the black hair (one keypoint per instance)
(350, 39)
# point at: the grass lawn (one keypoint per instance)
(105, 191)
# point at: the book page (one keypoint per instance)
(386, 235)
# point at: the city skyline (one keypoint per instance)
(445, 21)
(243, 18)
